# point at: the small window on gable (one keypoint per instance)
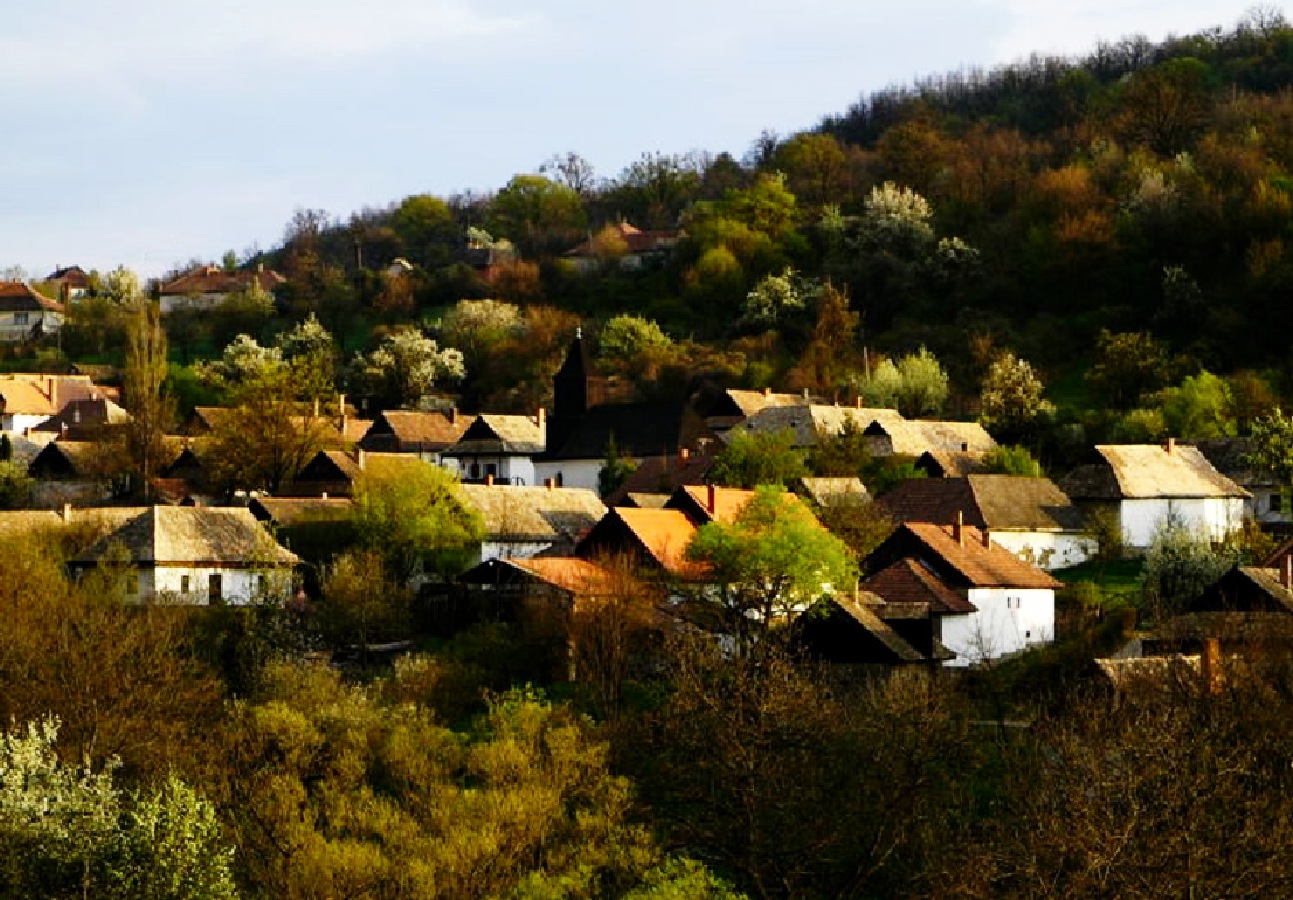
(20, 318)
(184, 584)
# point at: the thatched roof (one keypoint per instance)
(1148, 471)
(835, 491)
(912, 437)
(997, 502)
(534, 514)
(811, 423)
(412, 431)
(195, 535)
(294, 510)
(951, 463)
(494, 434)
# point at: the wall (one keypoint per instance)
(1008, 620)
(239, 586)
(1215, 517)
(1047, 549)
(574, 473)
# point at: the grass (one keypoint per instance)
(1118, 580)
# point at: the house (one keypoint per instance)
(590, 413)
(83, 420)
(723, 408)
(27, 399)
(72, 472)
(810, 423)
(988, 603)
(863, 630)
(951, 463)
(1147, 485)
(206, 287)
(640, 249)
(195, 555)
(71, 282)
(655, 539)
(26, 314)
(426, 434)
(334, 472)
(1030, 517)
(662, 475)
(833, 492)
(498, 448)
(1266, 502)
(523, 521)
(914, 437)
(1249, 589)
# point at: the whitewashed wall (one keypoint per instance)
(238, 586)
(1215, 517)
(1047, 549)
(573, 473)
(1008, 620)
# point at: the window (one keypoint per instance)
(20, 318)
(215, 586)
(475, 470)
(262, 585)
(184, 584)
(132, 583)
(491, 469)
(1276, 502)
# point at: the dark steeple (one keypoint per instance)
(570, 384)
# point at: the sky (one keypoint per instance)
(146, 133)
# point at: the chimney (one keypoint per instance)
(489, 481)
(1286, 572)
(709, 498)
(542, 417)
(1171, 445)
(683, 454)
(550, 483)
(453, 415)
(66, 514)
(323, 496)
(1210, 663)
(767, 392)
(858, 401)
(958, 528)
(361, 458)
(987, 538)
(53, 394)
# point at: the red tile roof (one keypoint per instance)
(215, 280)
(18, 297)
(980, 563)
(907, 581)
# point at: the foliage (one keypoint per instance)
(1179, 565)
(1006, 460)
(414, 515)
(16, 485)
(615, 470)
(310, 352)
(777, 298)
(152, 412)
(362, 602)
(1011, 396)
(1270, 447)
(632, 344)
(753, 458)
(67, 831)
(243, 361)
(840, 455)
(1128, 366)
(405, 367)
(1199, 408)
(773, 560)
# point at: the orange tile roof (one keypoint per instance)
(570, 573)
(215, 280)
(664, 533)
(728, 502)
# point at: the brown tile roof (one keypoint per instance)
(979, 565)
(411, 431)
(908, 582)
(999, 502)
(569, 573)
(540, 514)
(664, 474)
(1131, 471)
(215, 280)
(192, 534)
(18, 297)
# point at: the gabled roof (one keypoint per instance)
(225, 536)
(404, 430)
(216, 280)
(912, 437)
(25, 521)
(908, 582)
(72, 276)
(951, 463)
(75, 458)
(85, 413)
(491, 434)
(534, 514)
(972, 561)
(38, 392)
(635, 239)
(18, 297)
(834, 491)
(810, 423)
(865, 616)
(1148, 471)
(663, 475)
(750, 402)
(569, 573)
(998, 502)
(1229, 456)
(709, 503)
(24, 398)
(662, 535)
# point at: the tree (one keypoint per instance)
(426, 229)
(405, 367)
(415, 516)
(924, 385)
(571, 170)
(1128, 366)
(777, 298)
(1179, 565)
(67, 830)
(880, 387)
(753, 458)
(1011, 397)
(1270, 447)
(774, 559)
(362, 602)
(310, 352)
(540, 215)
(615, 469)
(632, 344)
(827, 355)
(1005, 460)
(152, 411)
(1199, 408)
(16, 485)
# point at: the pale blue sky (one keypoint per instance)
(146, 132)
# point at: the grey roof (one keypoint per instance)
(223, 536)
(1030, 504)
(490, 434)
(811, 422)
(912, 437)
(835, 491)
(534, 513)
(1146, 471)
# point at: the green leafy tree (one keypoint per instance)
(777, 298)
(1128, 366)
(615, 469)
(152, 410)
(1270, 447)
(1006, 460)
(632, 344)
(405, 367)
(362, 601)
(772, 561)
(880, 387)
(539, 215)
(1179, 565)
(310, 352)
(16, 485)
(753, 458)
(416, 517)
(426, 230)
(924, 384)
(1201, 407)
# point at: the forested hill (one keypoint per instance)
(1146, 189)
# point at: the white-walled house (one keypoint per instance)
(1148, 485)
(206, 287)
(987, 602)
(25, 313)
(1030, 517)
(499, 449)
(195, 555)
(521, 522)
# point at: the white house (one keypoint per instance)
(1030, 517)
(26, 314)
(1147, 485)
(195, 555)
(206, 287)
(498, 449)
(988, 603)
(521, 522)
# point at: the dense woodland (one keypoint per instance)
(1072, 249)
